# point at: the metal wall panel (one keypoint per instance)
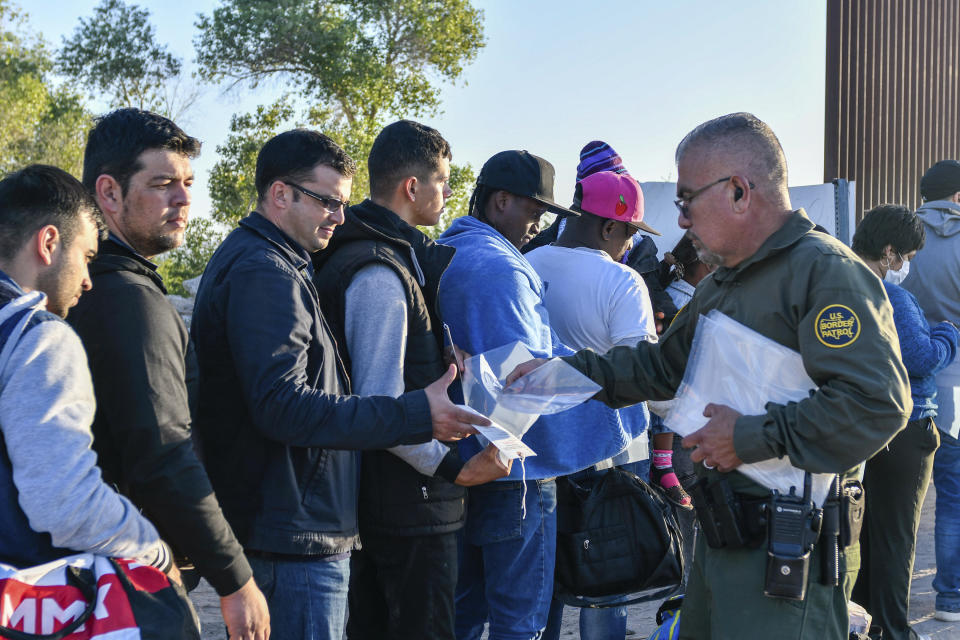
(892, 95)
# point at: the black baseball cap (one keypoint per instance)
(523, 174)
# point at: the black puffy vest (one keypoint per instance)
(395, 499)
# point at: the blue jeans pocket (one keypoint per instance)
(264, 574)
(494, 513)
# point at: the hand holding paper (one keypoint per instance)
(553, 387)
(486, 466)
(449, 421)
(508, 444)
(732, 367)
(714, 441)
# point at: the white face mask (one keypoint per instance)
(897, 277)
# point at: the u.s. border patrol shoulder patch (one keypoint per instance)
(837, 326)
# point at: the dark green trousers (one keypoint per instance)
(725, 601)
(895, 482)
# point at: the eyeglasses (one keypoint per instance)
(683, 204)
(331, 204)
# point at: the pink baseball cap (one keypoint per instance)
(612, 195)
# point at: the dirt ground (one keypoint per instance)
(640, 623)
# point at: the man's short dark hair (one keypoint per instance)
(117, 139)
(293, 155)
(39, 195)
(888, 224)
(403, 149)
(741, 133)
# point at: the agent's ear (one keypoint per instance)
(740, 197)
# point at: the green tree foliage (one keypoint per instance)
(462, 180)
(356, 63)
(202, 239)
(232, 188)
(42, 122)
(115, 53)
(365, 58)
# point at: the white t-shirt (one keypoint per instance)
(593, 301)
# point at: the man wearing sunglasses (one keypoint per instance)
(810, 293)
(281, 433)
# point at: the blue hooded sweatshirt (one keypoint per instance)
(491, 296)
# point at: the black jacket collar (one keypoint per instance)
(371, 221)
(260, 225)
(114, 256)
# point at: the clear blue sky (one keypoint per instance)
(556, 74)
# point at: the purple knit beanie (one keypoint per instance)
(598, 156)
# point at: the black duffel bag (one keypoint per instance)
(615, 536)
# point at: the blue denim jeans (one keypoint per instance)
(595, 624)
(507, 561)
(656, 425)
(609, 623)
(307, 598)
(946, 479)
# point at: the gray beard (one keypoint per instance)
(708, 257)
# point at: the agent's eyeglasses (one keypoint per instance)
(331, 204)
(683, 204)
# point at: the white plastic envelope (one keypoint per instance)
(553, 387)
(509, 446)
(734, 365)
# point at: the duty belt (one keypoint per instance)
(730, 520)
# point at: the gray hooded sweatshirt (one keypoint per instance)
(934, 279)
(934, 276)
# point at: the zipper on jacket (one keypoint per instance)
(423, 489)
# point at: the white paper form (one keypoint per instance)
(510, 445)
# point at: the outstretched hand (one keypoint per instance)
(450, 422)
(523, 369)
(714, 441)
(483, 467)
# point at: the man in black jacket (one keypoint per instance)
(137, 165)
(377, 283)
(280, 433)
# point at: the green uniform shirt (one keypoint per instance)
(809, 292)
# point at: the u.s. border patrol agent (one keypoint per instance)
(809, 292)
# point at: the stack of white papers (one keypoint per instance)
(734, 365)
